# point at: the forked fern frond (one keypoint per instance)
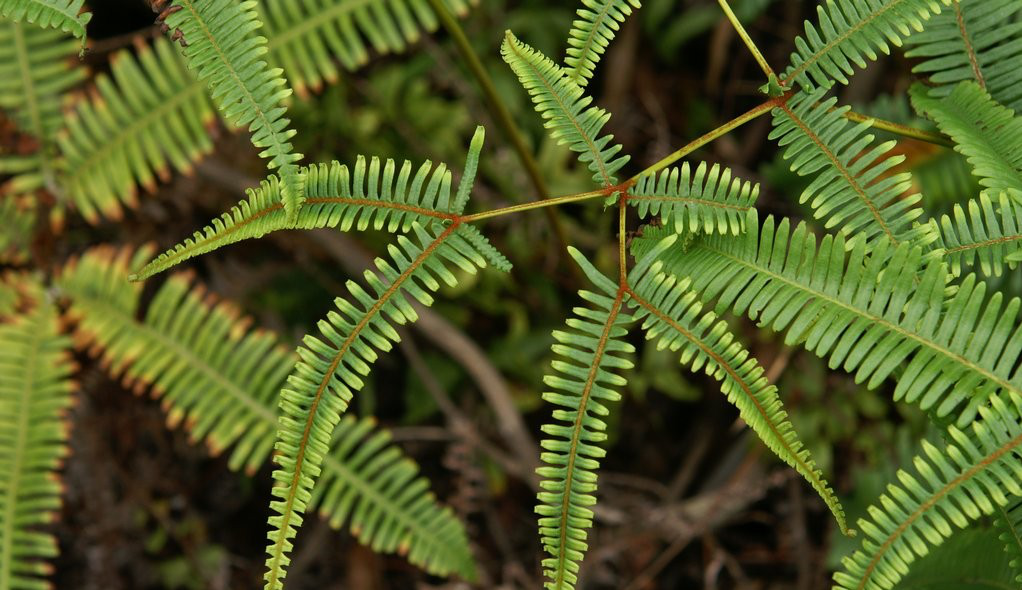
(565, 107)
(877, 316)
(582, 382)
(591, 33)
(854, 187)
(332, 366)
(222, 380)
(952, 486)
(307, 37)
(708, 201)
(988, 134)
(990, 232)
(65, 15)
(977, 40)
(226, 50)
(147, 116)
(35, 393)
(1009, 526)
(672, 315)
(37, 67)
(848, 33)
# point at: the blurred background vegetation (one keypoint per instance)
(688, 498)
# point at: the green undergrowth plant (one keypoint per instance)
(873, 283)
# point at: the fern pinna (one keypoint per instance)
(35, 394)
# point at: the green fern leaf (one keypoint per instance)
(854, 187)
(17, 224)
(848, 33)
(37, 68)
(146, 116)
(570, 119)
(988, 134)
(307, 37)
(582, 382)
(870, 315)
(222, 380)
(35, 394)
(591, 33)
(710, 201)
(340, 198)
(226, 50)
(977, 40)
(331, 367)
(1009, 527)
(65, 15)
(991, 232)
(953, 486)
(672, 315)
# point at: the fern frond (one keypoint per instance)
(990, 232)
(224, 47)
(1009, 526)
(870, 315)
(854, 187)
(672, 315)
(977, 40)
(65, 15)
(988, 134)
(331, 368)
(35, 393)
(591, 33)
(952, 486)
(848, 33)
(222, 380)
(582, 382)
(373, 195)
(708, 201)
(306, 37)
(562, 103)
(146, 116)
(37, 67)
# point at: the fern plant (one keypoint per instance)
(882, 292)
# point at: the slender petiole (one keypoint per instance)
(534, 205)
(763, 65)
(899, 129)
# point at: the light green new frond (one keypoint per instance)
(876, 312)
(977, 471)
(222, 380)
(1009, 526)
(988, 230)
(226, 50)
(849, 32)
(332, 366)
(854, 187)
(565, 108)
(308, 37)
(672, 314)
(581, 384)
(988, 134)
(977, 40)
(35, 393)
(708, 201)
(65, 15)
(591, 33)
(144, 118)
(37, 67)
